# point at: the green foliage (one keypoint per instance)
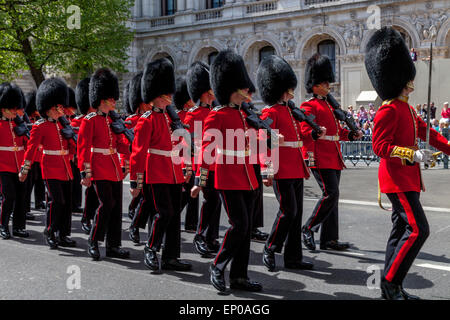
(36, 34)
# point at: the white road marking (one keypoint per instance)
(433, 266)
(442, 229)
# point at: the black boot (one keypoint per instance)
(390, 291)
(217, 278)
(176, 265)
(4, 232)
(408, 296)
(334, 245)
(213, 246)
(258, 235)
(269, 259)
(50, 238)
(308, 238)
(245, 284)
(201, 246)
(21, 233)
(86, 226)
(93, 250)
(151, 258)
(117, 252)
(134, 235)
(65, 241)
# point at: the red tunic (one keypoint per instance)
(151, 150)
(291, 163)
(98, 146)
(327, 154)
(397, 124)
(240, 174)
(76, 123)
(38, 155)
(55, 162)
(12, 147)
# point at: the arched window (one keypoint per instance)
(212, 56)
(328, 48)
(210, 4)
(168, 7)
(266, 51)
(163, 55)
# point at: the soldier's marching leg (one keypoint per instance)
(39, 187)
(9, 196)
(134, 203)
(91, 204)
(76, 189)
(65, 229)
(141, 216)
(192, 205)
(114, 229)
(19, 219)
(258, 212)
(55, 207)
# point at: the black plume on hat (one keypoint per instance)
(82, 96)
(50, 93)
(72, 102)
(318, 69)
(125, 98)
(274, 77)
(158, 79)
(134, 92)
(30, 102)
(197, 79)
(11, 96)
(181, 95)
(388, 63)
(104, 85)
(228, 74)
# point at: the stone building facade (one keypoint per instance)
(190, 30)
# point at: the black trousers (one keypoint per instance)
(409, 231)
(108, 218)
(209, 221)
(326, 212)
(258, 212)
(34, 180)
(166, 220)
(239, 205)
(145, 209)
(91, 204)
(287, 225)
(59, 206)
(135, 202)
(191, 204)
(12, 195)
(76, 187)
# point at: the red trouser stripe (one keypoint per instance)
(3, 199)
(409, 242)
(282, 215)
(226, 234)
(321, 202)
(98, 212)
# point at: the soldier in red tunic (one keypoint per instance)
(276, 83)
(51, 97)
(234, 174)
(12, 149)
(153, 170)
(323, 155)
(183, 103)
(90, 196)
(144, 207)
(199, 88)
(98, 161)
(395, 140)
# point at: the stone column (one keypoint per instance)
(181, 5)
(137, 9)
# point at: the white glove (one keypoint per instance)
(423, 155)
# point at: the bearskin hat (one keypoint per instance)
(11, 96)
(318, 69)
(82, 96)
(181, 95)
(104, 85)
(158, 79)
(30, 102)
(274, 77)
(134, 92)
(228, 74)
(50, 93)
(388, 63)
(197, 79)
(72, 102)
(125, 100)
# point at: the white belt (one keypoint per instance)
(330, 138)
(56, 152)
(105, 152)
(233, 153)
(292, 144)
(11, 148)
(165, 153)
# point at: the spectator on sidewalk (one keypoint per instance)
(432, 111)
(372, 112)
(445, 114)
(362, 115)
